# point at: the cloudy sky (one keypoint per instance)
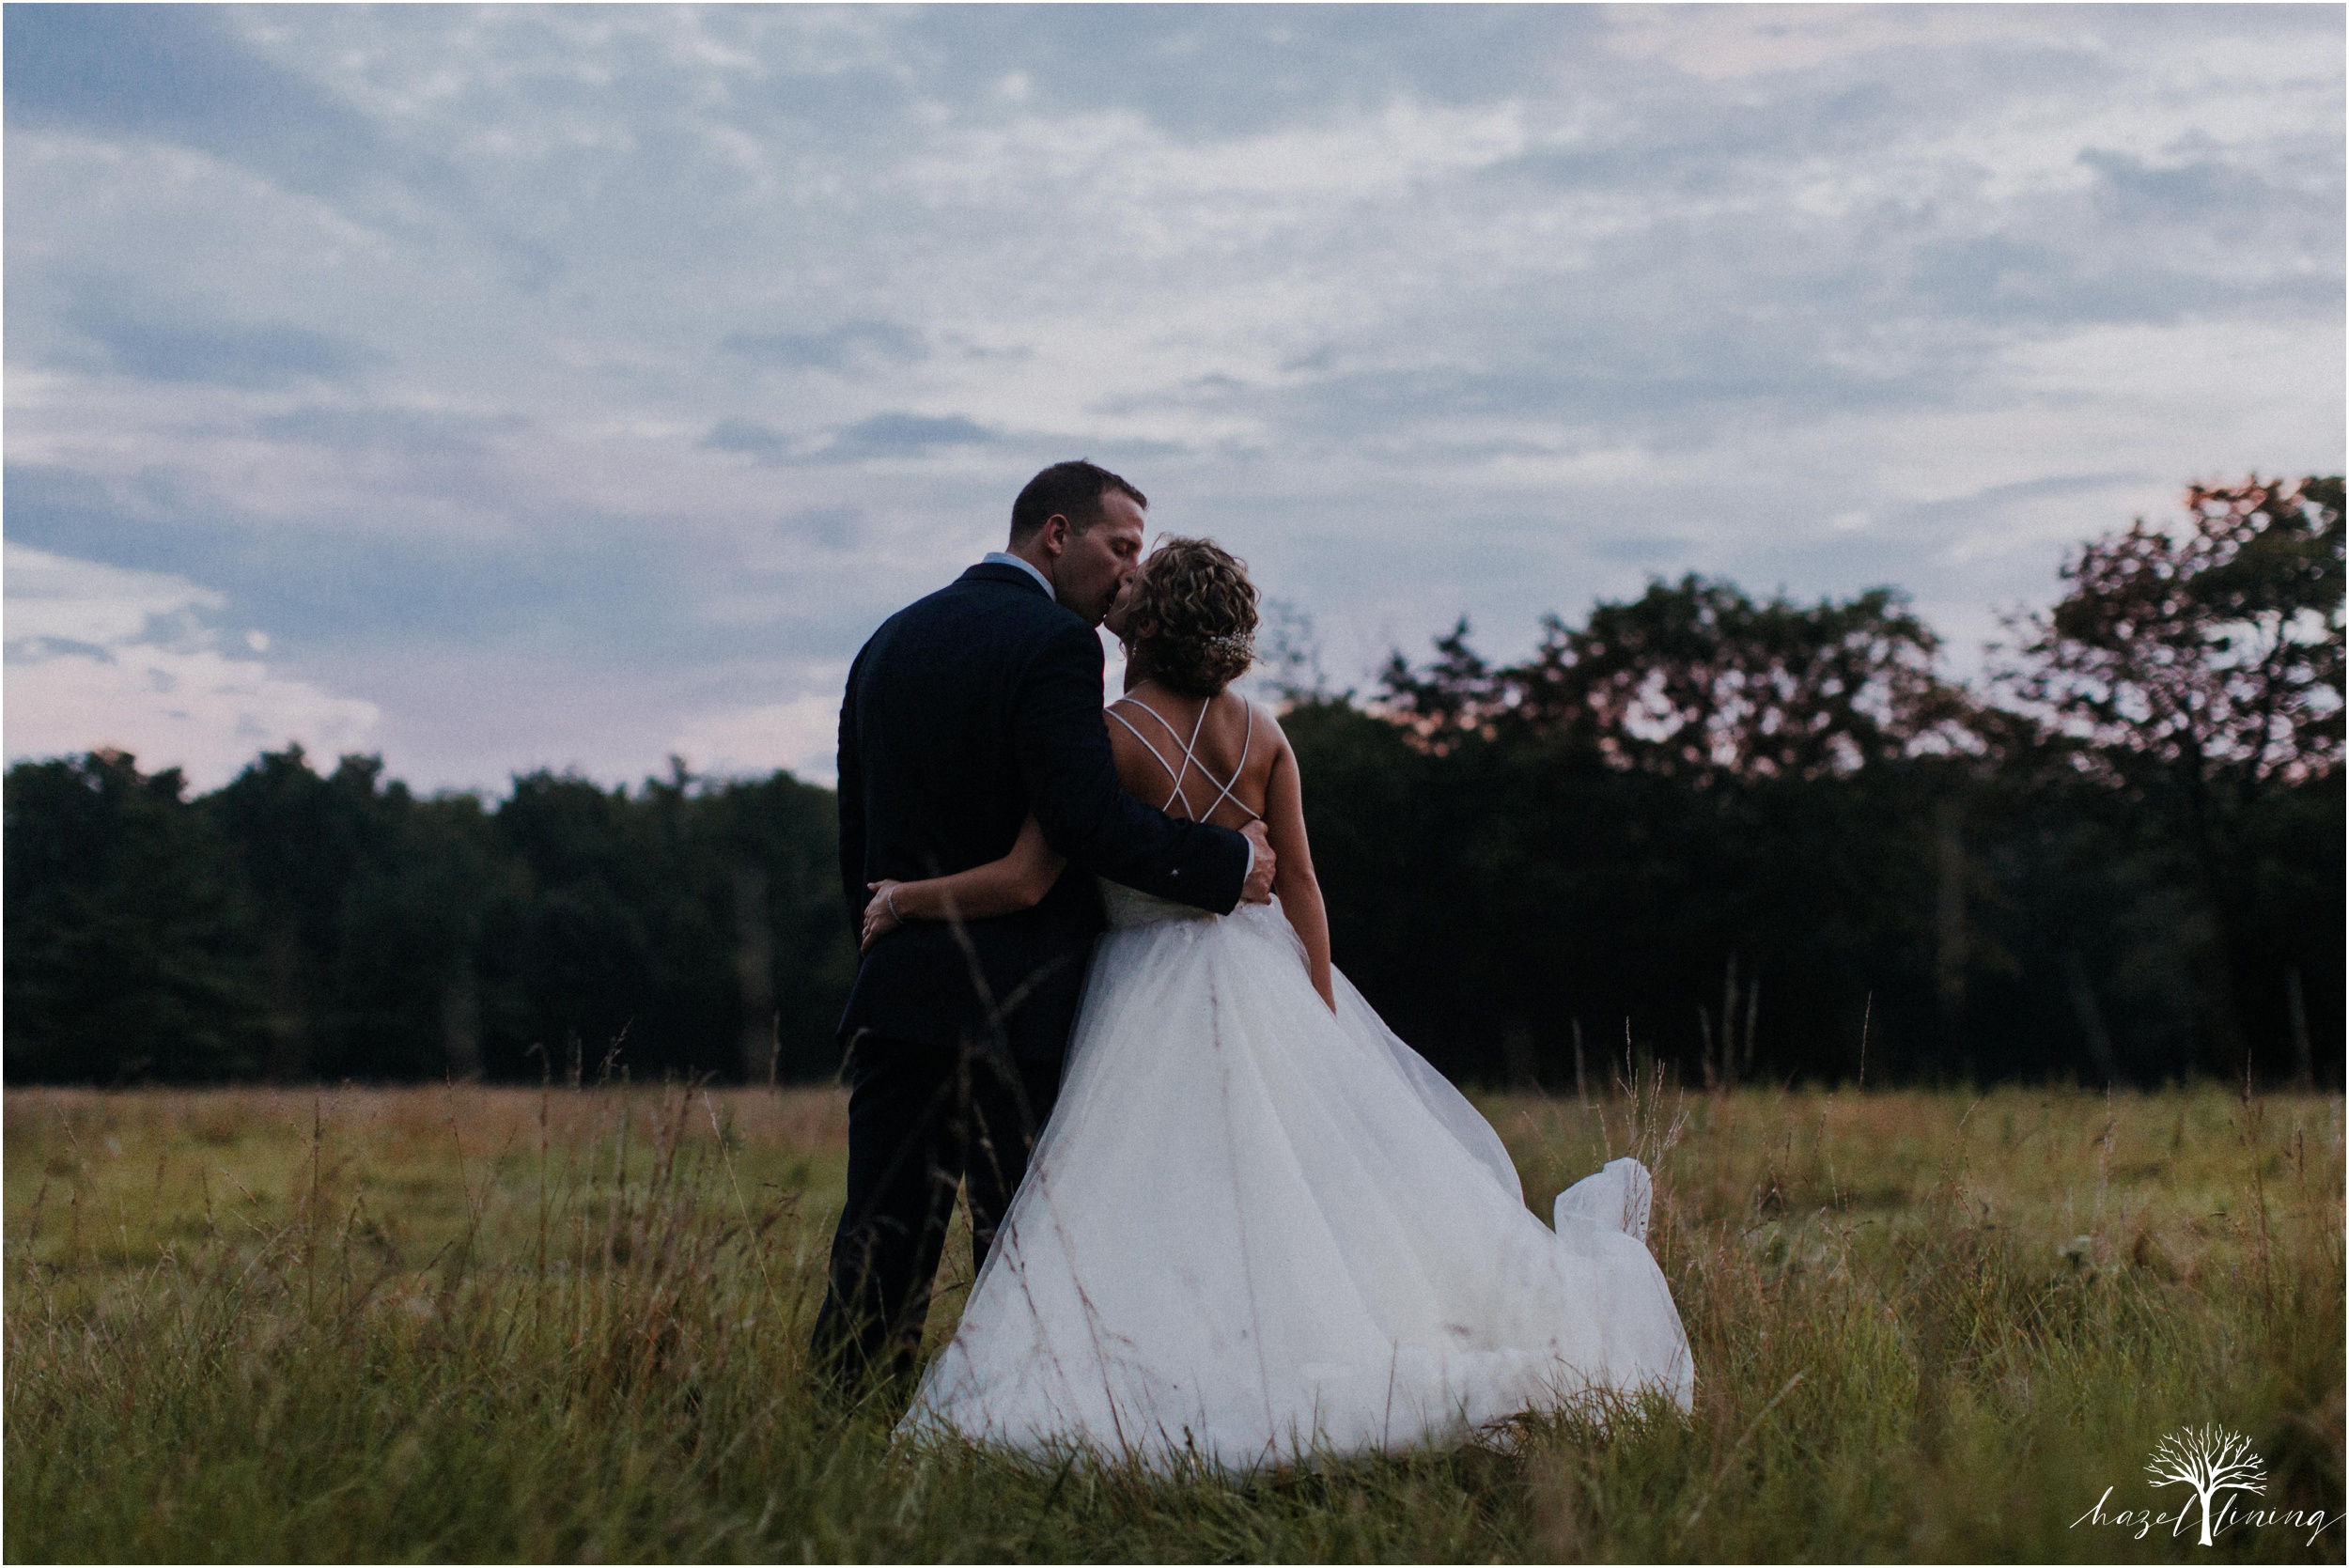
(496, 388)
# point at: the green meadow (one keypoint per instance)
(498, 1323)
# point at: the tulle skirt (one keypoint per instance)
(1253, 1232)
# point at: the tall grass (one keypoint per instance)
(491, 1324)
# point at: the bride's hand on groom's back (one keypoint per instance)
(1258, 888)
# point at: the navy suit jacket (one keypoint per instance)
(967, 711)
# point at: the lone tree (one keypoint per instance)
(2206, 659)
(2211, 1460)
(2200, 668)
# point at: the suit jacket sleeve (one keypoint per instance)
(851, 798)
(1071, 778)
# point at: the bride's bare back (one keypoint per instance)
(1211, 761)
(1224, 761)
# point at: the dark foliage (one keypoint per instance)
(133, 949)
(335, 926)
(1763, 839)
(2199, 675)
(2132, 870)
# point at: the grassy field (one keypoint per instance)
(497, 1324)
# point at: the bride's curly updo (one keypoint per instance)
(1193, 625)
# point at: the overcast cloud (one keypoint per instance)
(544, 386)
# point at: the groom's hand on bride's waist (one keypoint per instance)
(1258, 888)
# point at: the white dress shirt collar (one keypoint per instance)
(1004, 558)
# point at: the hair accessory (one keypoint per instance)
(1236, 642)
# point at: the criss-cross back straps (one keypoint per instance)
(1175, 773)
(1191, 758)
(1247, 738)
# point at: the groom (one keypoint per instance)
(967, 712)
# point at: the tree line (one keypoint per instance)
(301, 925)
(1759, 839)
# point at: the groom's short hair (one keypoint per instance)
(1073, 490)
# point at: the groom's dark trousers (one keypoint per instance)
(966, 712)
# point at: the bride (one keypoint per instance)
(1258, 1227)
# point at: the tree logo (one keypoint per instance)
(2214, 1462)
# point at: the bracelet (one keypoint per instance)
(889, 900)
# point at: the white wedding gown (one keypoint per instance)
(1255, 1233)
